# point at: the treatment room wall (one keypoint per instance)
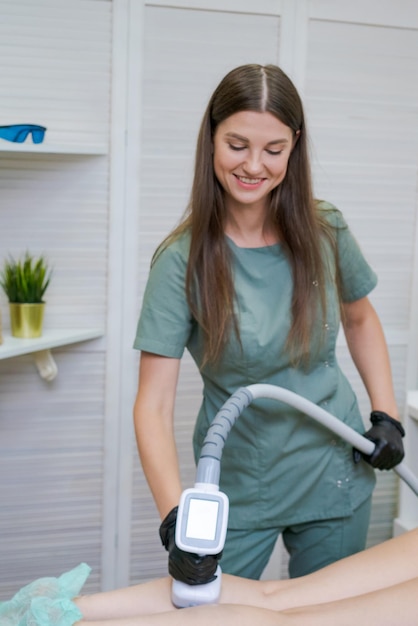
(121, 86)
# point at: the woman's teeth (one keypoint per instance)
(249, 181)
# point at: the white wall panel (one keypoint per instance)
(355, 77)
(362, 111)
(261, 7)
(57, 206)
(55, 60)
(55, 63)
(363, 114)
(402, 14)
(186, 53)
(379, 204)
(50, 468)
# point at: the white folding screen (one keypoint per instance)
(353, 68)
(362, 106)
(185, 54)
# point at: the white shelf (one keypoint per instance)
(40, 347)
(12, 346)
(45, 148)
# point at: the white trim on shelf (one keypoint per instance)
(12, 346)
(45, 148)
(40, 347)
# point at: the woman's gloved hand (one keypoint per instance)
(387, 434)
(186, 567)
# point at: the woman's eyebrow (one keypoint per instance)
(278, 141)
(232, 135)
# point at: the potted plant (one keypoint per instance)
(24, 282)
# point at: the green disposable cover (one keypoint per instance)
(51, 612)
(31, 605)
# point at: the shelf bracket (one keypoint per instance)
(46, 365)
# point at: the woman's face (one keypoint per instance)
(250, 155)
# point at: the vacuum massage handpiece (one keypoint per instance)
(201, 525)
(203, 531)
(202, 515)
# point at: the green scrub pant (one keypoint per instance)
(311, 545)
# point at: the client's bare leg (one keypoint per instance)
(378, 586)
(385, 607)
(142, 599)
(155, 597)
(384, 565)
(209, 615)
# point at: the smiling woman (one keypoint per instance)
(252, 283)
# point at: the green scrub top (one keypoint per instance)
(279, 467)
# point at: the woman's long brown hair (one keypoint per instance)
(292, 213)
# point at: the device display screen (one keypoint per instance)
(201, 522)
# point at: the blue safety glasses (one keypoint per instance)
(19, 132)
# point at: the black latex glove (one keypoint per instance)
(186, 567)
(387, 434)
